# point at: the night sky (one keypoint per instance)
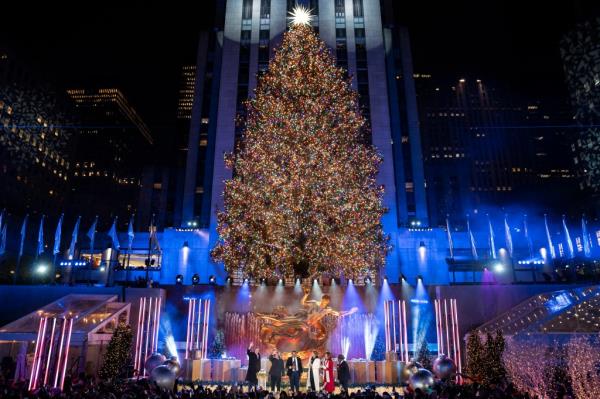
(140, 47)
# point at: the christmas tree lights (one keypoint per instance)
(303, 198)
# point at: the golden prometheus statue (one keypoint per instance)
(304, 331)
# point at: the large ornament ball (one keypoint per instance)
(409, 369)
(163, 376)
(173, 365)
(153, 361)
(422, 379)
(444, 367)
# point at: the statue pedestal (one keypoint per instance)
(199, 369)
(362, 371)
(225, 370)
(387, 372)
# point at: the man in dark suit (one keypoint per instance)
(253, 366)
(343, 373)
(276, 371)
(294, 370)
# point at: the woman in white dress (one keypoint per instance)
(314, 371)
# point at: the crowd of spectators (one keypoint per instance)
(88, 388)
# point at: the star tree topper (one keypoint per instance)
(301, 15)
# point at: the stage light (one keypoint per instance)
(403, 278)
(228, 280)
(102, 269)
(280, 281)
(367, 280)
(263, 281)
(420, 278)
(422, 245)
(186, 244)
(195, 279)
(498, 267)
(350, 282)
(179, 279)
(246, 280)
(41, 269)
(212, 280)
(315, 281)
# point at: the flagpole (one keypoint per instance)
(17, 270)
(23, 233)
(149, 250)
(130, 247)
(41, 231)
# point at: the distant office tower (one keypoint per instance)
(580, 51)
(185, 95)
(377, 57)
(111, 148)
(485, 148)
(35, 140)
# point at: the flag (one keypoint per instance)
(587, 247)
(492, 238)
(449, 232)
(57, 235)
(549, 238)
(130, 233)
(3, 240)
(74, 238)
(568, 237)
(40, 240)
(508, 237)
(92, 235)
(154, 244)
(472, 239)
(112, 233)
(527, 236)
(23, 231)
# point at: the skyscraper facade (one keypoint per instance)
(580, 51)
(376, 56)
(111, 149)
(485, 149)
(35, 141)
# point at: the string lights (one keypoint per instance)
(304, 194)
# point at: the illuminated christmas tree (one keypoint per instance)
(118, 353)
(303, 199)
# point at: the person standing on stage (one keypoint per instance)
(343, 372)
(253, 366)
(294, 370)
(276, 371)
(328, 381)
(314, 370)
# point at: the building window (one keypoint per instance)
(358, 8)
(265, 9)
(247, 9)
